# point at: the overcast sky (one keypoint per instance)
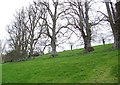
(7, 9)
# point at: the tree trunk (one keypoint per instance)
(114, 25)
(71, 47)
(118, 25)
(53, 45)
(31, 49)
(87, 37)
(53, 39)
(116, 41)
(87, 44)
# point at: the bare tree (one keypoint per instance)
(111, 18)
(53, 27)
(35, 24)
(42, 44)
(17, 33)
(26, 30)
(80, 19)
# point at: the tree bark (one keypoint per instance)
(87, 33)
(53, 45)
(118, 25)
(53, 39)
(31, 50)
(87, 44)
(88, 47)
(114, 25)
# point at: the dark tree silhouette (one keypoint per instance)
(118, 22)
(112, 16)
(80, 19)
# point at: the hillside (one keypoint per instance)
(69, 67)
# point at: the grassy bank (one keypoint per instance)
(68, 67)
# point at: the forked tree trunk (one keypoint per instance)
(53, 37)
(114, 26)
(87, 37)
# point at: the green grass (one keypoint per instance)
(74, 66)
(0, 74)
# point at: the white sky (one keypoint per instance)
(7, 9)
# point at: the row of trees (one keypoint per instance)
(47, 23)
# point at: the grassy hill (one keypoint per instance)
(69, 67)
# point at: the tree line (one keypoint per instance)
(43, 23)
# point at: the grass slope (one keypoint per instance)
(69, 67)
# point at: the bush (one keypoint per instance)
(15, 55)
(35, 54)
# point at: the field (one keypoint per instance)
(99, 66)
(0, 74)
